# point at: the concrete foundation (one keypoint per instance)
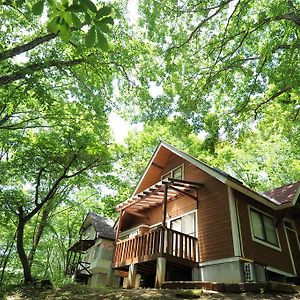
(226, 272)
(230, 271)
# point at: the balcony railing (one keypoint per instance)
(162, 242)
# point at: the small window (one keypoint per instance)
(176, 173)
(263, 227)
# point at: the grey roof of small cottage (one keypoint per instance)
(103, 226)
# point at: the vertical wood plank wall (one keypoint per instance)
(214, 227)
(258, 252)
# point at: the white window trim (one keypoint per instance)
(235, 226)
(171, 171)
(278, 248)
(289, 246)
(294, 228)
(180, 216)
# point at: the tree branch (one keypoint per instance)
(37, 186)
(27, 70)
(245, 103)
(52, 190)
(93, 164)
(24, 48)
(277, 94)
(291, 16)
(197, 28)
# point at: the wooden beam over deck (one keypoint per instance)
(183, 192)
(155, 195)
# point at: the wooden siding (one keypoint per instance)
(256, 251)
(175, 208)
(213, 215)
(214, 226)
(154, 171)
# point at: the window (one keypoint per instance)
(176, 173)
(263, 227)
(185, 224)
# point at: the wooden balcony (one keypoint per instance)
(175, 246)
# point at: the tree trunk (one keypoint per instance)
(21, 251)
(6, 256)
(38, 235)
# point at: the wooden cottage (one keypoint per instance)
(89, 259)
(189, 221)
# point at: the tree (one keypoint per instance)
(232, 59)
(53, 110)
(44, 163)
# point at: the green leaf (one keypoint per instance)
(90, 37)
(76, 21)
(75, 8)
(38, 8)
(53, 25)
(87, 19)
(102, 41)
(103, 11)
(102, 27)
(107, 20)
(67, 17)
(90, 5)
(65, 32)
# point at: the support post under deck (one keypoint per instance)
(132, 276)
(160, 272)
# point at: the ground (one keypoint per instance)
(78, 292)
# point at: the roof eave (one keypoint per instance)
(272, 203)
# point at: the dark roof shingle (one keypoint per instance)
(284, 194)
(102, 225)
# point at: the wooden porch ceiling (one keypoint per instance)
(154, 195)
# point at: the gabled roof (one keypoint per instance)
(103, 226)
(267, 199)
(287, 193)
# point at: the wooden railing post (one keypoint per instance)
(159, 241)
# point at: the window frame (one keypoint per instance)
(257, 239)
(182, 215)
(162, 177)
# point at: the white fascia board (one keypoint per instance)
(272, 203)
(253, 195)
(195, 162)
(147, 168)
(296, 196)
